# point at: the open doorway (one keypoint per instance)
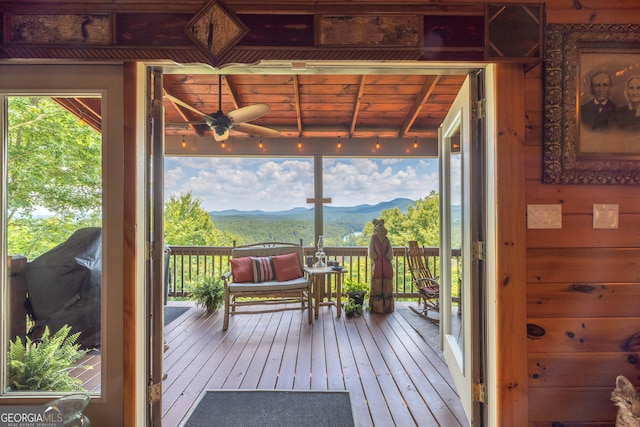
(183, 134)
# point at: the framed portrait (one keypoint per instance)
(592, 104)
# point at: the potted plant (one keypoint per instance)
(355, 290)
(208, 292)
(351, 308)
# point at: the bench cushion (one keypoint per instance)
(272, 285)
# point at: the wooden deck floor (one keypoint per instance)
(395, 377)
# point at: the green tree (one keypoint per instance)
(420, 222)
(187, 223)
(32, 237)
(54, 163)
(423, 221)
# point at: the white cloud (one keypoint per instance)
(278, 184)
(172, 177)
(369, 181)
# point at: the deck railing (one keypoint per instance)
(186, 263)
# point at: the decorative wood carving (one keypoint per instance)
(215, 29)
(59, 29)
(216, 35)
(367, 30)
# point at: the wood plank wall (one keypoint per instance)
(583, 296)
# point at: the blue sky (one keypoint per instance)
(273, 184)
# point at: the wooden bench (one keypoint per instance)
(268, 274)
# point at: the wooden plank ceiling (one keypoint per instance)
(305, 106)
(311, 106)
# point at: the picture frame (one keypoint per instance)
(577, 150)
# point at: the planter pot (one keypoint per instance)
(357, 297)
(351, 314)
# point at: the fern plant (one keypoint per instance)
(208, 292)
(45, 364)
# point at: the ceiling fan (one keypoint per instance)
(221, 123)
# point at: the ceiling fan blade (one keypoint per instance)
(248, 113)
(183, 104)
(256, 130)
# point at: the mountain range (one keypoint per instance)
(330, 212)
(292, 225)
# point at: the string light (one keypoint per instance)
(299, 145)
(184, 143)
(377, 144)
(222, 144)
(415, 143)
(260, 143)
(339, 143)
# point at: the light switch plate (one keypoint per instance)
(544, 216)
(605, 216)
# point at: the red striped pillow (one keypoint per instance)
(263, 269)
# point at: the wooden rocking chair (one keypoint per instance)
(426, 284)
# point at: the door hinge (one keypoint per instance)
(479, 393)
(155, 393)
(478, 109)
(479, 250)
(149, 251)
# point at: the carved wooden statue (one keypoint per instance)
(381, 254)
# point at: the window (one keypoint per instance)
(361, 188)
(249, 199)
(54, 236)
(265, 199)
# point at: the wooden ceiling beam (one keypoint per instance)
(356, 107)
(428, 87)
(181, 112)
(296, 101)
(343, 132)
(232, 91)
(81, 108)
(354, 147)
(164, 31)
(413, 7)
(269, 7)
